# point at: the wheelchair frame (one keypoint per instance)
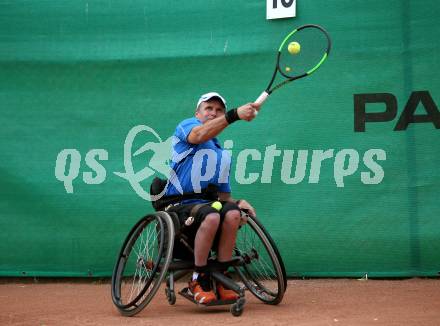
(141, 266)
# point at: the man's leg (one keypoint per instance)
(228, 235)
(205, 237)
(226, 245)
(200, 286)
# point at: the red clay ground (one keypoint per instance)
(307, 302)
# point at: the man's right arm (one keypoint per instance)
(205, 132)
(212, 128)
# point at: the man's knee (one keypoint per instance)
(232, 218)
(211, 221)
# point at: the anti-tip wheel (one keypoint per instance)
(171, 296)
(237, 308)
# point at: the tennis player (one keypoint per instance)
(207, 163)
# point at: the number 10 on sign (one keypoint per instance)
(280, 9)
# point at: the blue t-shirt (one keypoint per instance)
(194, 166)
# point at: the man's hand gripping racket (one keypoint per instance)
(300, 54)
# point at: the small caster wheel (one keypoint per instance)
(171, 296)
(237, 308)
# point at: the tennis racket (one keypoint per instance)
(300, 54)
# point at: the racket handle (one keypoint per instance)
(262, 98)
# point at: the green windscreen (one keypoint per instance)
(342, 167)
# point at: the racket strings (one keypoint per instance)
(313, 45)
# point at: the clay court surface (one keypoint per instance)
(307, 302)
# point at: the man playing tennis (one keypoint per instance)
(207, 163)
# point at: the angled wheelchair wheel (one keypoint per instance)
(142, 263)
(263, 270)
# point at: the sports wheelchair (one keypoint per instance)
(156, 249)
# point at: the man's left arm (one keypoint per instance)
(226, 196)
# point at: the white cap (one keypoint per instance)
(210, 95)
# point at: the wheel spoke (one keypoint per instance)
(262, 272)
(138, 274)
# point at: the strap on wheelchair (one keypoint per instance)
(158, 185)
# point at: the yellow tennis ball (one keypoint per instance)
(217, 205)
(288, 69)
(294, 48)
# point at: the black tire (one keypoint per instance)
(263, 272)
(142, 263)
(171, 296)
(237, 308)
